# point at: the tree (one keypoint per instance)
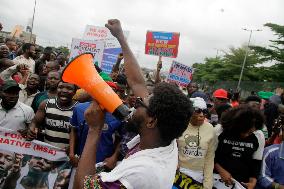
(228, 67)
(275, 52)
(64, 50)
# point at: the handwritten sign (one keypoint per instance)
(80, 46)
(180, 74)
(162, 44)
(112, 46)
(22, 160)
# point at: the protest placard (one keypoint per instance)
(112, 46)
(31, 164)
(180, 74)
(80, 46)
(162, 44)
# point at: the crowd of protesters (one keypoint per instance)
(171, 137)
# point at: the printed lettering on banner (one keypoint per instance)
(26, 163)
(80, 46)
(180, 74)
(112, 46)
(162, 43)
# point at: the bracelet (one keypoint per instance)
(276, 186)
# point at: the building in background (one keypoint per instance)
(18, 34)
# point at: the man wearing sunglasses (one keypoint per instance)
(159, 119)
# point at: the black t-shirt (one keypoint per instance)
(237, 155)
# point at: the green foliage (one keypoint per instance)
(64, 50)
(228, 67)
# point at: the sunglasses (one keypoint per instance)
(139, 103)
(198, 111)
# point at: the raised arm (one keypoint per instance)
(159, 67)
(115, 68)
(133, 71)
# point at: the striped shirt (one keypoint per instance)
(57, 125)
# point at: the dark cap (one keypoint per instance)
(9, 84)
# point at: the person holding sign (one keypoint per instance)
(152, 160)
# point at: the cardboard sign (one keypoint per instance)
(162, 44)
(180, 74)
(26, 164)
(112, 46)
(80, 46)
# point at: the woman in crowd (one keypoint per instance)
(240, 148)
(197, 146)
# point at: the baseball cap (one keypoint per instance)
(112, 85)
(9, 84)
(264, 94)
(220, 93)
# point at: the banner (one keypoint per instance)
(80, 46)
(162, 44)
(180, 74)
(112, 46)
(31, 164)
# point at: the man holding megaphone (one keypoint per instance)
(159, 119)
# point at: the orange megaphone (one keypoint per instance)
(82, 72)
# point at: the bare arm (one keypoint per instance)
(132, 69)
(72, 144)
(95, 120)
(112, 160)
(37, 121)
(159, 67)
(7, 74)
(225, 175)
(115, 68)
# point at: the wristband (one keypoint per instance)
(276, 186)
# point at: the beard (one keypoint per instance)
(134, 125)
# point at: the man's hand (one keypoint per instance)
(115, 28)
(74, 160)
(120, 56)
(251, 184)
(159, 65)
(226, 177)
(110, 162)
(248, 185)
(18, 162)
(32, 133)
(23, 69)
(94, 116)
(23, 132)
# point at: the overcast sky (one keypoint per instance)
(205, 25)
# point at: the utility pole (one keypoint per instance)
(33, 23)
(244, 62)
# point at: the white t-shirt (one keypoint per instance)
(146, 169)
(16, 118)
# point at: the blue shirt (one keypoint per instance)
(106, 144)
(272, 166)
(12, 55)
